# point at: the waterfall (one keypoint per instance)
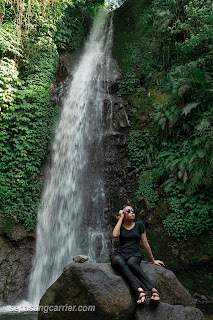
(74, 191)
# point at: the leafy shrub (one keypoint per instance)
(142, 154)
(70, 31)
(8, 83)
(167, 48)
(189, 215)
(27, 40)
(8, 40)
(147, 186)
(24, 135)
(141, 149)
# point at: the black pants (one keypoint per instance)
(131, 271)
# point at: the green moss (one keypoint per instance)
(207, 244)
(8, 225)
(127, 30)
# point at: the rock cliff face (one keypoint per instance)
(16, 252)
(99, 286)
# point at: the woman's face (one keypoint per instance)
(129, 213)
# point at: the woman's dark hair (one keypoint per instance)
(126, 205)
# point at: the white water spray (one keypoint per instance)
(75, 186)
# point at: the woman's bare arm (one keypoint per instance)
(116, 230)
(148, 250)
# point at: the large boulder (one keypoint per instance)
(89, 284)
(171, 290)
(98, 285)
(168, 312)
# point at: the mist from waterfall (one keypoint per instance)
(75, 186)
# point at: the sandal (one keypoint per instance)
(142, 297)
(154, 295)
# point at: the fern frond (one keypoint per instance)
(188, 108)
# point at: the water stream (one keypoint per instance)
(73, 201)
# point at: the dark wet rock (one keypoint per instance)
(16, 252)
(19, 233)
(1, 228)
(100, 286)
(115, 115)
(90, 284)
(111, 73)
(202, 299)
(166, 311)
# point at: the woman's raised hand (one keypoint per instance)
(121, 214)
(159, 263)
(116, 230)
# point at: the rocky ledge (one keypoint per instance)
(98, 285)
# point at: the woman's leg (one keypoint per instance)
(119, 264)
(134, 265)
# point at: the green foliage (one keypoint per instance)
(129, 84)
(166, 47)
(8, 82)
(147, 186)
(141, 149)
(8, 225)
(189, 215)
(196, 28)
(28, 53)
(73, 23)
(70, 32)
(142, 154)
(192, 158)
(8, 41)
(24, 135)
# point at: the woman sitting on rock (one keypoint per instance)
(127, 260)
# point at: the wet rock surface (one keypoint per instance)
(16, 252)
(98, 285)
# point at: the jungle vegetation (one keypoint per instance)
(32, 34)
(165, 51)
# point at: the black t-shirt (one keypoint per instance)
(130, 239)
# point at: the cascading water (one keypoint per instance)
(74, 192)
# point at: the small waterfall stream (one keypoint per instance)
(74, 191)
